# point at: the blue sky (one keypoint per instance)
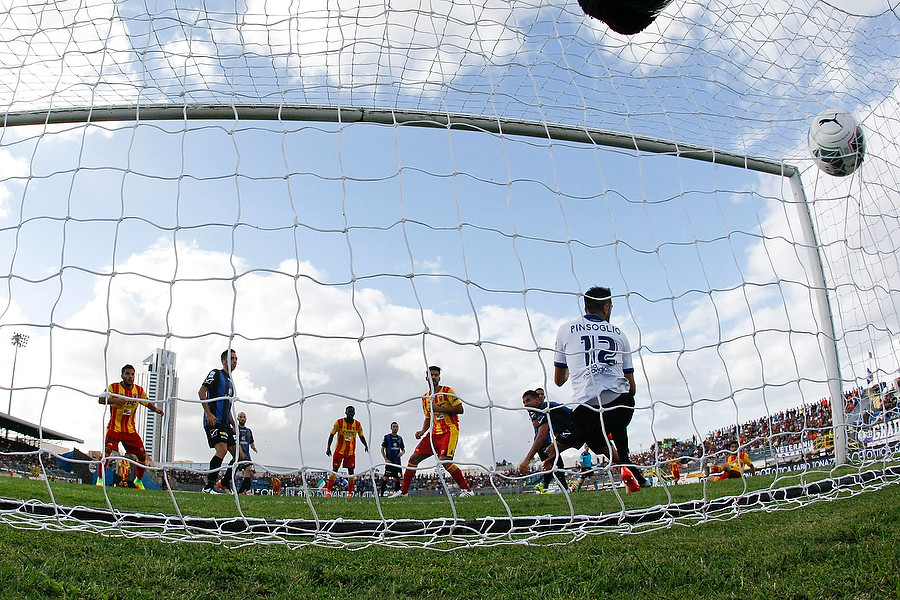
(326, 250)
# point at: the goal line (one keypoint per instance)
(436, 533)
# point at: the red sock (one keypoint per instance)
(457, 475)
(407, 480)
(139, 469)
(330, 483)
(350, 487)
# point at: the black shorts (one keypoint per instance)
(589, 430)
(393, 471)
(219, 434)
(245, 462)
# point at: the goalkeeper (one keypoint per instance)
(597, 355)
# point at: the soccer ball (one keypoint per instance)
(836, 142)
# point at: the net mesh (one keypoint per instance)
(346, 193)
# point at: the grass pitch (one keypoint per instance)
(846, 549)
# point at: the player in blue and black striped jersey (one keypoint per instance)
(557, 430)
(216, 393)
(392, 449)
(245, 442)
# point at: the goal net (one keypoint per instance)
(347, 193)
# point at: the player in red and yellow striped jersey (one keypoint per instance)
(123, 399)
(442, 408)
(675, 468)
(735, 464)
(346, 430)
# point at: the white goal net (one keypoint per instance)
(348, 192)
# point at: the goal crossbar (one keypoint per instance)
(380, 116)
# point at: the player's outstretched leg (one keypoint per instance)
(408, 475)
(460, 479)
(624, 16)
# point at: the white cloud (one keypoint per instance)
(82, 48)
(869, 8)
(857, 219)
(277, 389)
(95, 54)
(13, 171)
(366, 44)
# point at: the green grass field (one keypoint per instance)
(843, 549)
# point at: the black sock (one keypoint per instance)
(226, 476)
(638, 476)
(214, 463)
(561, 477)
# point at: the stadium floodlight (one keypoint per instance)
(19, 340)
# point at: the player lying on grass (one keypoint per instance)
(736, 463)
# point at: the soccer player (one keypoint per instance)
(245, 442)
(123, 473)
(439, 434)
(346, 429)
(123, 399)
(586, 469)
(216, 393)
(675, 468)
(597, 356)
(392, 449)
(542, 452)
(734, 466)
(550, 420)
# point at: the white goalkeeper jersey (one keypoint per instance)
(597, 355)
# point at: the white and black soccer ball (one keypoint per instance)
(837, 143)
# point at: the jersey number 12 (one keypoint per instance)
(599, 349)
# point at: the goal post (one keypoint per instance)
(829, 339)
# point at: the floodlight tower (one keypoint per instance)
(19, 340)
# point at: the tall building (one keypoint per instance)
(157, 375)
